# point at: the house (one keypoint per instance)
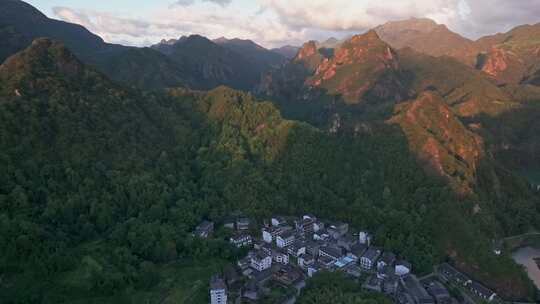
(218, 291)
(287, 275)
(314, 268)
(270, 234)
(413, 287)
(244, 263)
(391, 285)
(280, 257)
(261, 277)
(386, 272)
(241, 240)
(337, 230)
(285, 239)
(251, 291)
(403, 268)
(439, 292)
(482, 291)
(321, 235)
(318, 226)
(387, 259)
(229, 222)
(326, 262)
(277, 221)
(261, 261)
(313, 248)
(364, 238)
(204, 230)
(343, 262)
(353, 270)
(451, 274)
(306, 225)
(230, 275)
(297, 248)
(309, 217)
(369, 258)
(330, 252)
(346, 241)
(373, 284)
(404, 298)
(357, 250)
(242, 224)
(305, 260)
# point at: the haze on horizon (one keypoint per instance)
(274, 23)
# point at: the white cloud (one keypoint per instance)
(357, 15)
(191, 2)
(278, 22)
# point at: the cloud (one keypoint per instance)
(202, 18)
(191, 2)
(486, 17)
(339, 15)
(279, 22)
(471, 18)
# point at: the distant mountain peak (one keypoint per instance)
(370, 35)
(307, 50)
(44, 54)
(423, 35)
(43, 65)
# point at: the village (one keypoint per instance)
(289, 251)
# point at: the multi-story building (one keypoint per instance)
(285, 239)
(269, 234)
(218, 291)
(241, 240)
(261, 261)
(369, 259)
(242, 223)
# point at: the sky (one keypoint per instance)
(274, 23)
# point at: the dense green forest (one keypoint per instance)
(102, 185)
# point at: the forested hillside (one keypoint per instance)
(102, 185)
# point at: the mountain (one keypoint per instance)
(511, 57)
(440, 140)
(102, 183)
(29, 22)
(211, 64)
(329, 43)
(362, 68)
(357, 85)
(422, 35)
(262, 58)
(287, 51)
(468, 91)
(508, 58)
(20, 23)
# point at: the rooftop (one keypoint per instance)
(372, 254)
(415, 288)
(217, 283)
(331, 251)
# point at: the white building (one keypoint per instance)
(261, 261)
(281, 257)
(364, 238)
(270, 234)
(277, 221)
(241, 240)
(403, 268)
(369, 259)
(285, 239)
(218, 291)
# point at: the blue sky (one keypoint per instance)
(278, 22)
